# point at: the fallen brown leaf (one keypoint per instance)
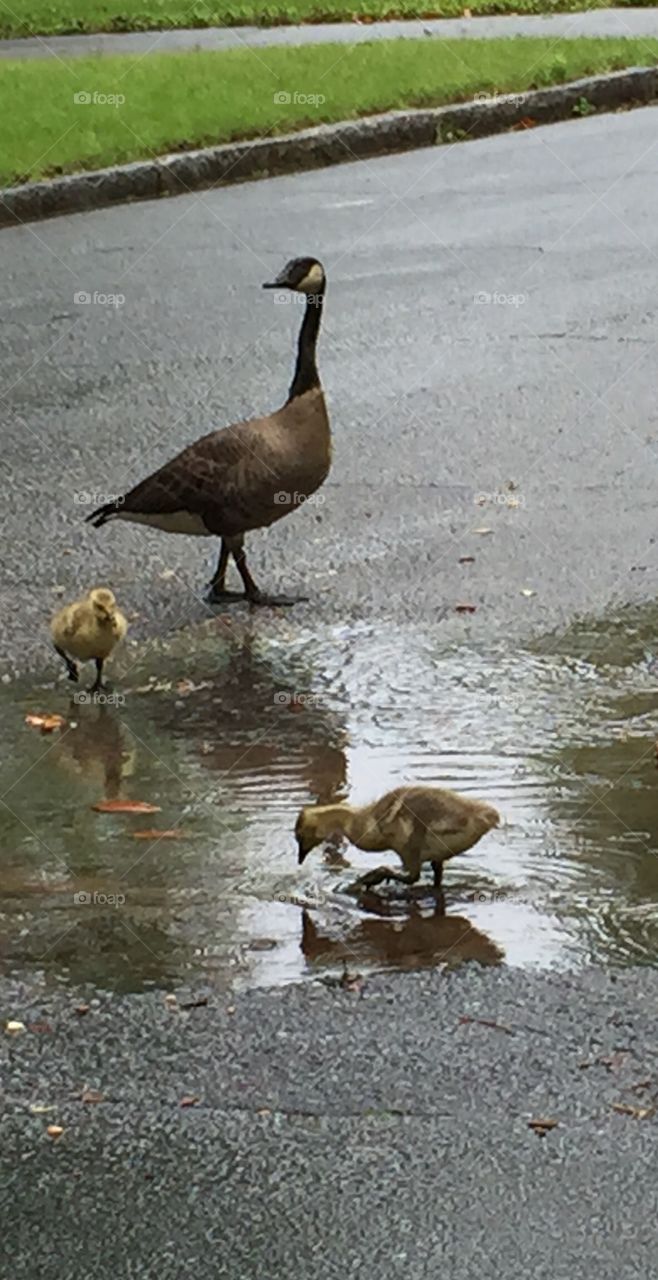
(91, 1095)
(125, 806)
(152, 833)
(526, 123)
(54, 1130)
(195, 1004)
(82, 1009)
(46, 723)
(467, 559)
(14, 1028)
(465, 608)
(487, 1022)
(641, 1086)
(638, 1113)
(351, 981)
(542, 1126)
(188, 1100)
(43, 1027)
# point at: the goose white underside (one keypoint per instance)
(174, 522)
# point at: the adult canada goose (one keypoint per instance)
(88, 628)
(250, 474)
(420, 824)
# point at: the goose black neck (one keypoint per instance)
(306, 375)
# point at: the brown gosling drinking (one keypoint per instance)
(88, 629)
(420, 824)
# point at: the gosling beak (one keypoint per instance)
(302, 851)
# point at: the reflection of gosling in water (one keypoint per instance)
(421, 824)
(90, 628)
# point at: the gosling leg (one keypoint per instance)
(216, 587)
(437, 868)
(253, 593)
(98, 682)
(70, 665)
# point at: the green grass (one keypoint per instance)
(25, 17)
(177, 101)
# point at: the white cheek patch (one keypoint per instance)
(312, 280)
(173, 522)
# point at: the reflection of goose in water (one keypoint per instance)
(97, 748)
(392, 941)
(257, 724)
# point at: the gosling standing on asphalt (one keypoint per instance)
(90, 628)
(420, 824)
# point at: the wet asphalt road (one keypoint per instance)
(548, 382)
(490, 322)
(336, 1133)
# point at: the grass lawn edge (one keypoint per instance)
(388, 133)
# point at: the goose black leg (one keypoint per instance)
(70, 666)
(252, 593)
(216, 589)
(98, 682)
(437, 868)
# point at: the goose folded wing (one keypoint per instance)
(223, 474)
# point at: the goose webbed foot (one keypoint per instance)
(71, 667)
(261, 598)
(219, 595)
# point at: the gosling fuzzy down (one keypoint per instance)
(420, 824)
(88, 629)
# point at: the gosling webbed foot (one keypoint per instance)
(98, 686)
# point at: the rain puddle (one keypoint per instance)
(229, 739)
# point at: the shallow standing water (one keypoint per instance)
(560, 736)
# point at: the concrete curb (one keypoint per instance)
(316, 148)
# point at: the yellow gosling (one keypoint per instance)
(420, 824)
(88, 629)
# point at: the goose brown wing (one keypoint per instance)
(225, 478)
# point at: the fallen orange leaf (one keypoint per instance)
(542, 1126)
(188, 1100)
(125, 806)
(46, 723)
(153, 834)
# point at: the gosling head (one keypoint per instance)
(307, 834)
(103, 603)
(302, 275)
(490, 816)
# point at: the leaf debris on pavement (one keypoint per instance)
(542, 1126)
(189, 1100)
(14, 1028)
(125, 806)
(54, 1130)
(638, 1113)
(351, 982)
(465, 608)
(487, 1022)
(46, 722)
(91, 1095)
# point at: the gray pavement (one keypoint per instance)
(336, 1133)
(597, 22)
(491, 322)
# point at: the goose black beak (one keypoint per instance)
(302, 851)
